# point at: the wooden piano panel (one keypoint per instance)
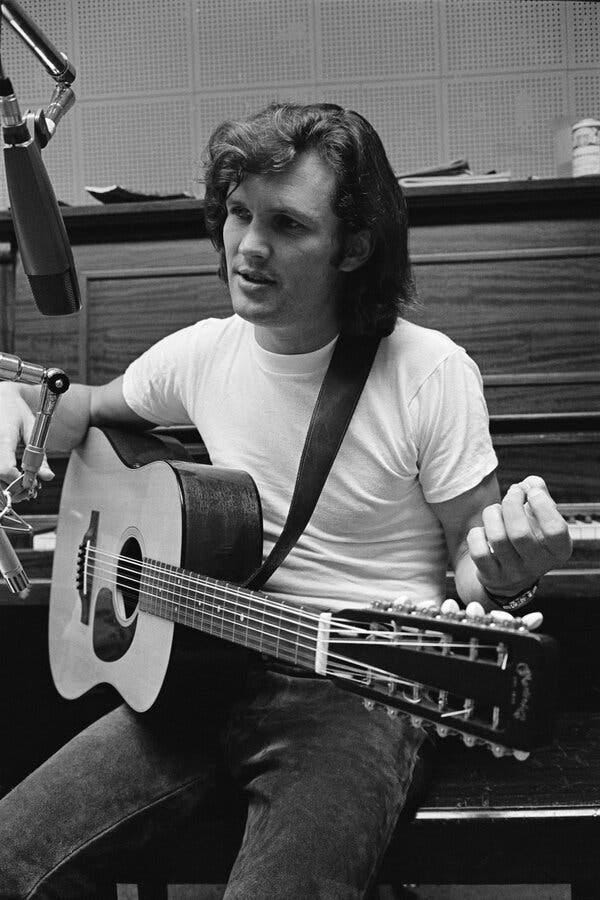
(133, 295)
(127, 315)
(531, 323)
(568, 460)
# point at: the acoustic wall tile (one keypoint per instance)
(406, 115)
(254, 42)
(139, 46)
(584, 28)
(504, 35)
(382, 39)
(143, 145)
(505, 123)
(585, 93)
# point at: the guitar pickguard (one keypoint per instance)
(111, 639)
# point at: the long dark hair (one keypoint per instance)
(367, 196)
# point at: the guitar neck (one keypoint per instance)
(232, 613)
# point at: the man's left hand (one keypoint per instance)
(521, 539)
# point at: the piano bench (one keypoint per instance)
(481, 820)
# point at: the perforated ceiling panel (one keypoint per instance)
(586, 34)
(505, 123)
(144, 145)
(377, 40)
(133, 46)
(504, 35)
(406, 115)
(254, 42)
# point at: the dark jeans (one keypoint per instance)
(324, 779)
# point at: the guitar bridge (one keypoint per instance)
(83, 570)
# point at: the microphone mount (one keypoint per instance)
(43, 123)
(54, 382)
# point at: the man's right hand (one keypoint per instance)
(16, 423)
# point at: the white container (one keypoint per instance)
(586, 147)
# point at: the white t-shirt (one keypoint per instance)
(419, 434)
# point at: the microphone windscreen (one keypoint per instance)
(55, 295)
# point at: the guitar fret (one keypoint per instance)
(262, 628)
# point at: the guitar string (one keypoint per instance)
(348, 668)
(307, 653)
(339, 624)
(266, 601)
(345, 667)
(165, 572)
(257, 596)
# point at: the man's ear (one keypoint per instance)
(358, 248)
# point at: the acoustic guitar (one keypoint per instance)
(146, 542)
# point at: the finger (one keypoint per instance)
(8, 460)
(551, 525)
(533, 482)
(517, 523)
(481, 554)
(498, 537)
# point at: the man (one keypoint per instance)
(310, 224)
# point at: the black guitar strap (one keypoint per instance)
(340, 391)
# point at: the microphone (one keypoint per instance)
(11, 568)
(39, 228)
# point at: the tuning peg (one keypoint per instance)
(380, 605)
(521, 755)
(368, 704)
(469, 740)
(498, 750)
(416, 721)
(442, 730)
(392, 711)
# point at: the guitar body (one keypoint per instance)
(125, 495)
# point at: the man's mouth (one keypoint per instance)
(254, 277)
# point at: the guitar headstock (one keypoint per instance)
(490, 682)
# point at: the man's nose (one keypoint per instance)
(254, 241)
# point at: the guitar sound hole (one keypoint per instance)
(129, 572)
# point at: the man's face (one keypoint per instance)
(281, 238)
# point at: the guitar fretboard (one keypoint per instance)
(224, 610)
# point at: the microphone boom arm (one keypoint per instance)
(56, 63)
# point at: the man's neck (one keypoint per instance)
(284, 342)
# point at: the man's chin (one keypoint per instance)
(256, 310)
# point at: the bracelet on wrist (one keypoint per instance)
(517, 601)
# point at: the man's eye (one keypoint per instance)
(290, 224)
(238, 212)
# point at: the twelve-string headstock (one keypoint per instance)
(491, 682)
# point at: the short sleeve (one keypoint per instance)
(451, 421)
(154, 384)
